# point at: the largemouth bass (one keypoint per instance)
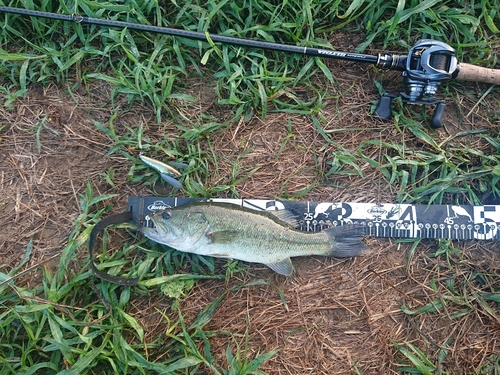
(224, 230)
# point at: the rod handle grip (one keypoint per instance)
(469, 72)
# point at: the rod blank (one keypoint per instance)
(385, 61)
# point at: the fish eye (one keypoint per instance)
(165, 215)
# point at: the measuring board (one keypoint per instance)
(380, 220)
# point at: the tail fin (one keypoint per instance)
(347, 241)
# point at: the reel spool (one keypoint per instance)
(428, 64)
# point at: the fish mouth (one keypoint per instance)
(151, 232)
(149, 229)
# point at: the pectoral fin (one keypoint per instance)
(283, 267)
(223, 236)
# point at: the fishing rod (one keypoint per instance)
(428, 64)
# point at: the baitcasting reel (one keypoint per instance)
(428, 64)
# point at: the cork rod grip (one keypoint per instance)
(475, 73)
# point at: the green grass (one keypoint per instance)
(440, 169)
(46, 332)
(153, 68)
(42, 331)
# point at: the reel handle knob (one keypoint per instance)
(383, 109)
(437, 119)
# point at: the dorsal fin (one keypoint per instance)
(285, 216)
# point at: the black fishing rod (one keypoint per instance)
(428, 63)
(385, 61)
